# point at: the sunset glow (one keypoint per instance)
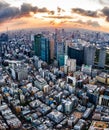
(88, 14)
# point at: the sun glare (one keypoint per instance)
(57, 21)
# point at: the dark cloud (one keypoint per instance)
(93, 23)
(85, 12)
(27, 8)
(59, 17)
(107, 19)
(59, 10)
(7, 12)
(105, 11)
(89, 23)
(3, 4)
(43, 10)
(51, 12)
(94, 14)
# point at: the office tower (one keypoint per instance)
(3, 42)
(45, 49)
(97, 52)
(89, 54)
(42, 47)
(76, 53)
(66, 51)
(57, 39)
(60, 53)
(107, 58)
(67, 43)
(36, 47)
(102, 58)
(52, 48)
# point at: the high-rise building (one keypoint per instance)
(51, 48)
(76, 53)
(36, 46)
(42, 47)
(57, 39)
(60, 53)
(45, 49)
(102, 58)
(3, 42)
(89, 54)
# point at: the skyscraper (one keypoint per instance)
(52, 48)
(42, 47)
(102, 58)
(37, 43)
(3, 42)
(45, 49)
(89, 54)
(60, 53)
(76, 53)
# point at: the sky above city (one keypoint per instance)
(86, 14)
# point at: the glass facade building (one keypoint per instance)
(42, 47)
(76, 53)
(45, 49)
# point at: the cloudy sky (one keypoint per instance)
(88, 14)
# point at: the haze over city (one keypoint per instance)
(86, 14)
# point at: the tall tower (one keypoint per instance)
(76, 53)
(42, 47)
(52, 48)
(45, 49)
(89, 54)
(102, 58)
(60, 53)
(37, 42)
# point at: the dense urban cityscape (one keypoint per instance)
(54, 64)
(52, 80)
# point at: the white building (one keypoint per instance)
(71, 63)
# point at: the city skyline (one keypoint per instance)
(86, 14)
